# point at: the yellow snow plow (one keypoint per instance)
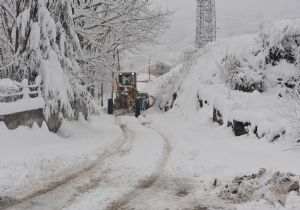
(127, 96)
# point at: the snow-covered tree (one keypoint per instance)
(9, 36)
(49, 47)
(71, 44)
(7, 27)
(106, 28)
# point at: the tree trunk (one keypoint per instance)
(18, 10)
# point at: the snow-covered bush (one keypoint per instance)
(248, 81)
(281, 41)
(108, 30)
(240, 75)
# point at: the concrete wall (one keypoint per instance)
(28, 118)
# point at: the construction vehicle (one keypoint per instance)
(127, 96)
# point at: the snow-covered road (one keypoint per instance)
(164, 161)
(202, 153)
(110, 181)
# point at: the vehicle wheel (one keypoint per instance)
(137, 108)
(110, 106)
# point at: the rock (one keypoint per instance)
(240, 128)
(200, 101)
(217, 116)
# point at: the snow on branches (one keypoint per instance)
(105, 27)
(49, 47)
(281, 41)
(69, 43)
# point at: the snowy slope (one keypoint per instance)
(269, 115)
(204, 152)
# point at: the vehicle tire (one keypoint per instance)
(137, 108)
(110, 106)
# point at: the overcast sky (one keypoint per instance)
(233, 17)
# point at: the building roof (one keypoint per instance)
(161, 63)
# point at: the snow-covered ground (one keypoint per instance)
(167, 161)
(32, 159)
(202, 152)
(178, 159)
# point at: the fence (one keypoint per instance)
(21, 90)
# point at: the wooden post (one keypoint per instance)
(119, 66)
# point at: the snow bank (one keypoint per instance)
(30, 159)
(22, 105)
(266, 111)
(203, 152)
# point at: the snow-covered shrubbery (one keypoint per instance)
(281, 41)
(240, 75)
(274, 60)
(232, 76)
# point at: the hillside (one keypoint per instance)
(248, 80)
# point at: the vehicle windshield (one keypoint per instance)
(126, 79)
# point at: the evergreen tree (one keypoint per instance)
(49, 47)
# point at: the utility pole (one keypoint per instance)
(149, 69)
(113, 77)
(102, 104)
(119, 65)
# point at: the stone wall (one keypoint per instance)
(27, 118)
(239, 128)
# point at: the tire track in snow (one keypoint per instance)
(29, 201)
(147, 182)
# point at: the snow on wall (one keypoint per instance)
(11, 90)
(21, 106)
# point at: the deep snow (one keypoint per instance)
(170, 160)
(31, 158)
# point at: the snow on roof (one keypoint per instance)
(161, 63)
